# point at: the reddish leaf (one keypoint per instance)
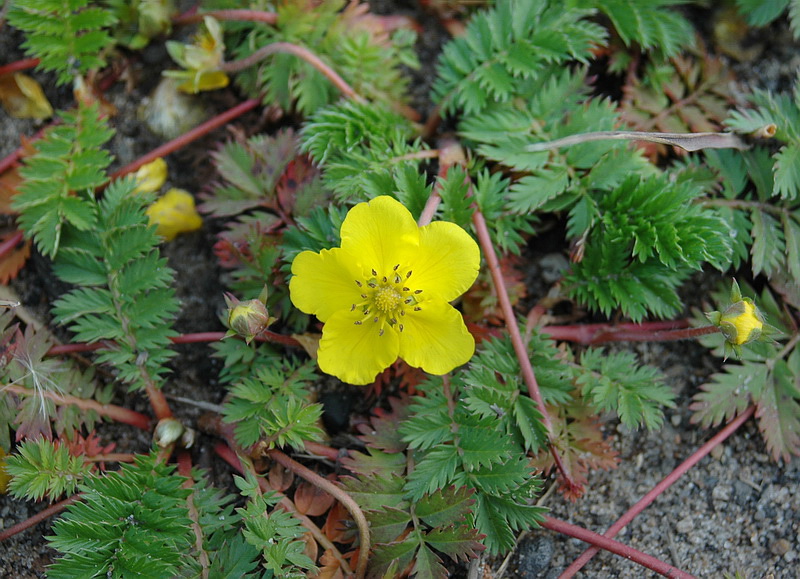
(14, 260)
(311, 500)
(279, 478)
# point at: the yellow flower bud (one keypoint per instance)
(151, 176)
(741, 323)
(174, 213)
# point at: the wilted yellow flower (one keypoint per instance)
(384, 293)
(23, 97)
(151, 176)
(174, 213)
(201, 61)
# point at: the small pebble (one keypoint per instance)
(685, 526)
(780, 547)
(722, 492)
(675, 419)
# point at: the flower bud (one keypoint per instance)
(247, 319)
(741, 323)
(168, 431)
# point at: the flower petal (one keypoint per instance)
(323, 283)
(379, 234)
(447, 261)
(435, 338)
(355, 354)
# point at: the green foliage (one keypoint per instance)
(67, 36)
(760, 13)
(40, 468)
(61, 176)
(369, 61)
(133, 522)
(509, 46)
(271, 406)
(650, 24)
(273, 532)
(124, 292)
(613, 381)
(366, 150)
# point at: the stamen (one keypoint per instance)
(358, 323)
(358, 283)
(366, 311)
(401, 327)
(417, 309)
(352, 308)
(395, 267)
(417, 291)
(402, 312)
(405, 289)
(384, 279)
(408, 275)
(408, 300)
(363, 296)
(381, 332)
(393, 320)
(375, 319)
(374, 272)
(397, 279)
(372, 284)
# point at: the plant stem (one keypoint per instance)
(346, 500)
(615, 547)
(38, 517)
(671, 478)
(12, 242)
(117, 413)
(591, 334)
(186, 138)
(237, 15)
(521, 351)
(224, 452)
(23, 64)
(301, 52)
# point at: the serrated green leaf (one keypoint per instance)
(768, 246)
(787, 171)
(445, 506)
(728, 393)
(778, 412)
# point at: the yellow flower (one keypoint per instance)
(174, 213)
(201, 61)
(384, 293)
(741, 323)
(151, 176)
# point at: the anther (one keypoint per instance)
(358, 323)
(374, 272)
(363, 296)
(384, 279)
(375, 319)
(401, 327)
(372, 284)
(408, 275)
(408, 300)
(402, 312)
(417, 291)
(405, 289)
(366, 311)
(352, 308)
(381, 332)
(397, 279)
(395, 267)
(417, 309)
(393, 320)
(358, 283)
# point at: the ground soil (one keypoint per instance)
(737, 511)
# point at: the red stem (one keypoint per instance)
(38, 517)
(592, 334)
(301, 52)
(188, 137)
(646, 500)
(118, 413)
(9, 244)
(242, 15)
(521, 351)
(615, 547)
(23, 64)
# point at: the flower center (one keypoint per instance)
(386, 299)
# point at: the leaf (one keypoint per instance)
(445, 506)
(787, 171)
(768, 243)
(387, 523)
(311, 500)
(728, 393)
(428, 564)
(14, 260)
(459, 542)
(778, 411)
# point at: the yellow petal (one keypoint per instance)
(379, 234)
(447, 261)
(23, 97)
(435, 338)
(355, 354)
(199, 81)
(323, 283)
(151, 176)
(174, 213)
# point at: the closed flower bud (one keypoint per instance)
(168, 431)
(741, 323)
(248, 318)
